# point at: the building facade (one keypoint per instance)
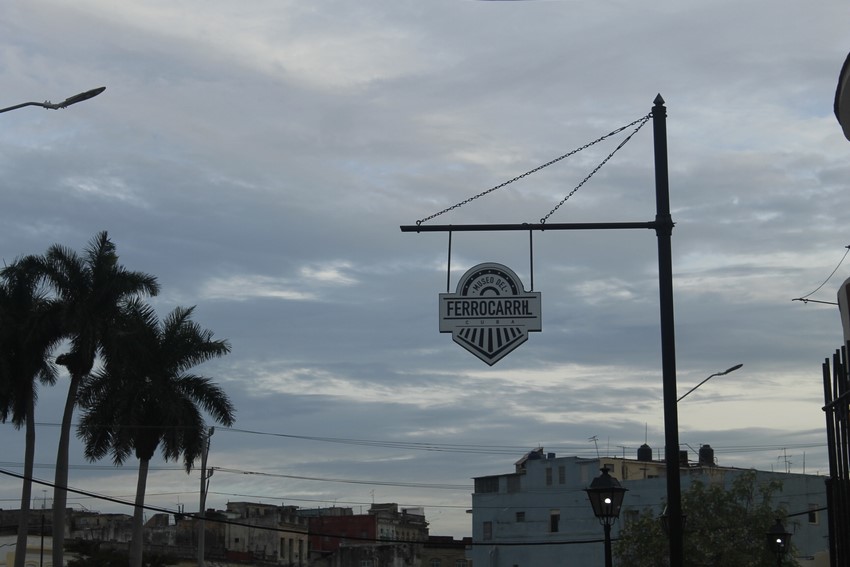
(385, 536)
(540, 515)
(266, 532)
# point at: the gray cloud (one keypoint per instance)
(259, 160)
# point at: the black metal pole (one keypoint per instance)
(41, 554)
(609, 561)
(664, 231)
(663, 226)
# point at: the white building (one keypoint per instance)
(540, 515)
(39, 551)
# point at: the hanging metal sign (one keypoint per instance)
(490, 314)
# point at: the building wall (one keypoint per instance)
(543, 501)
(39, 552)
(445, 552)
(266, 532)
(328, 533)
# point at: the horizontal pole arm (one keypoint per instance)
(527, 226)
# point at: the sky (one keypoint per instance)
(259, 158)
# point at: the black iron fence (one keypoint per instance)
(836, 388)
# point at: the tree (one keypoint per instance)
(726, 527)
(29, 331)
(91, 289)
(144, 398)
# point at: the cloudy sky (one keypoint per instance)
(259, 157)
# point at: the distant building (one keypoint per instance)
(95, 526)
(445, 551)
(266, 532)
(383, 536)
(39, 551)
(543, 502)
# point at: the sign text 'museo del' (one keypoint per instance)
(490, 314)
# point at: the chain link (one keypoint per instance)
(640, 121)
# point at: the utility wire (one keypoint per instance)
(805, 298)
(208, 518)
(580, 450)
(348, 481)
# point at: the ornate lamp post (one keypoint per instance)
(606, 498)
(778, 539)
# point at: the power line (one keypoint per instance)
(577, 449)
(348, 481)
(805, 298)
(208, 518)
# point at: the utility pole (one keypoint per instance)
(205, 484)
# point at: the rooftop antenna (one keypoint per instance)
(594, 439)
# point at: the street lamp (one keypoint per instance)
(777, 541)
(727, 371)
(64, 104)
(606, 498)
(58, 503)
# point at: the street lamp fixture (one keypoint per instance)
(606, 497)
(727, 371)
(778, 539)
(56, 106)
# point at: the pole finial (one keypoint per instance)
(659, 100)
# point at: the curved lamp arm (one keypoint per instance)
(64, 104)
(727, 371)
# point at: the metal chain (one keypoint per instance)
(642, 120)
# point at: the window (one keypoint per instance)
(520, 517)
(487, 484)
(813, 514)
(461, 563)
(365, 563)
(554, 520)
(435, 563)
(514, 483)
(488, 531)
(562, 474)
(548, 476)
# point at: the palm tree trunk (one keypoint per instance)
(137, 546)
(60, 484)
(26, 490)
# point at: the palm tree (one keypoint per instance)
(144, 398)
(29, 331)
(92, 289)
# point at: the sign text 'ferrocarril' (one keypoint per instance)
(490, 314)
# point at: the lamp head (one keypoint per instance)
(606, 497)
(80, 97)
(778, 538)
